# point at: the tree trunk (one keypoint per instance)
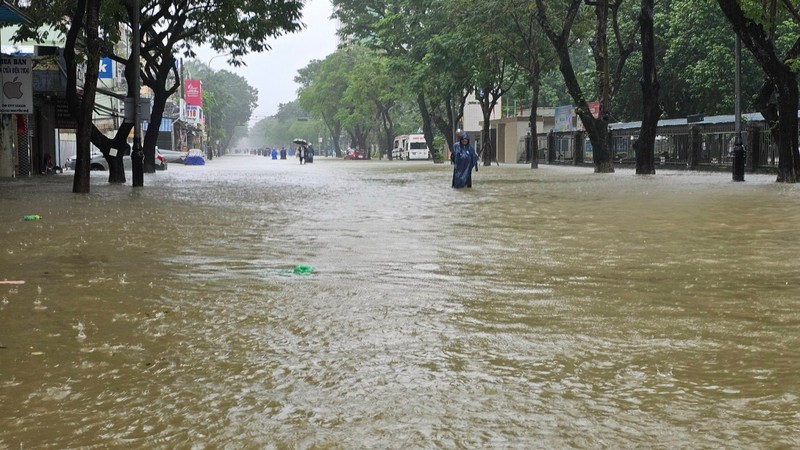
(335, 130)
(600, 137)
(160, 97)
(86, 17)
(360, 135)
(768, 108)
(645, 157)
(445, 127)
(596, 128)
(789, 162)
(80, 182)
(336, 134)
(388, 128)
(453, 115)
(116, 169)
(535, 85)
(427, 125)
(486, 150)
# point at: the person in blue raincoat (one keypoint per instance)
(464, 159)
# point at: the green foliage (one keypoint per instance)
(354, 89)
(48, 21)
(423, 42)
(439, 149)
(237, 27)
(290, 122)
(701, 84)
(228, 101)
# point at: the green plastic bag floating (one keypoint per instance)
(303, 269)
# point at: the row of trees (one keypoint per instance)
(167, 30)
(289, 123)
(641, 60)
(228, 102)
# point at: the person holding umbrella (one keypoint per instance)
(301, 149)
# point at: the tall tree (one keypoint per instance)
(494, 73)
(521, 39)
(160, 69)
(235, 102)
(376, 86)
(402, 30)
(692, 84)
(322, 85)
(494, 78)
(228, 103)
(756, 27)
(444, 80)
(288, 123)
(559, 34)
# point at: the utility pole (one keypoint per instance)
(137, 156)
(738, 148)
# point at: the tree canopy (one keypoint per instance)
(232, 27)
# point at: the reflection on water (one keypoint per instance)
(545, 308)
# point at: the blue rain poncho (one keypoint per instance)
(464, 159)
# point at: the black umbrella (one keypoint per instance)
(300, 141)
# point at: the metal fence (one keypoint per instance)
(692, 145)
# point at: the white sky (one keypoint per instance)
(273, 72)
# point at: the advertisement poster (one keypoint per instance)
(16, 81)
(594, 108)
(564, 118)
(193, 92)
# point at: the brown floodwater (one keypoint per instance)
(547, 308)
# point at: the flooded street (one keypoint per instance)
(547, 308)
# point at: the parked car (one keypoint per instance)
(98, 162)
(356, 154)
(173, 156)
(73, 160)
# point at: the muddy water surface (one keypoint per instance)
(548, 308)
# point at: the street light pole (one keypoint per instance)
(738, 148)
(215, 57)
(137, 156)
(210, 144)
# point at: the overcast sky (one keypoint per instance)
(273, 72)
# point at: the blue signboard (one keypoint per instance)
(106, 68)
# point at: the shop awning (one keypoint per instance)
(10, 14)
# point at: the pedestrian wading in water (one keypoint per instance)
(464, 159)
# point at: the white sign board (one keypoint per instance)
(16, 85)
